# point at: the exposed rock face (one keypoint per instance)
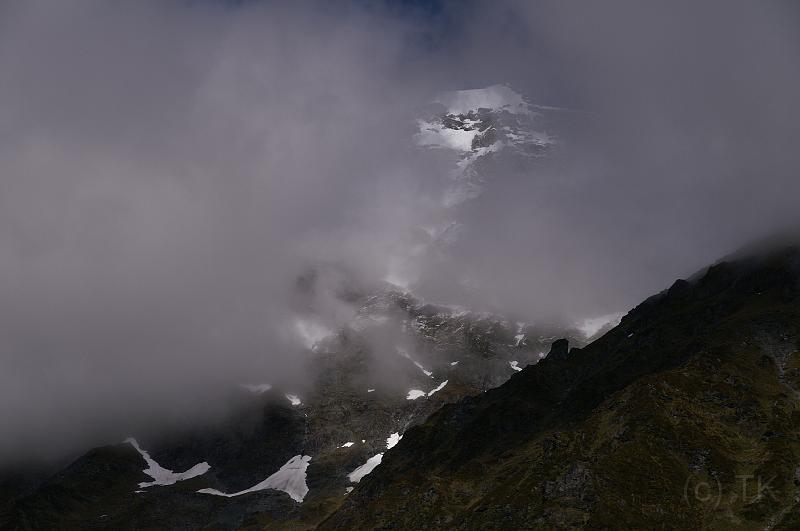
(685, 416)
(362, 376)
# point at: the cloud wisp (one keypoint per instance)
(170, 168)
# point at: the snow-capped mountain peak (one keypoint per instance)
(476, 123)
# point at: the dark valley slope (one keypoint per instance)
(685, 416)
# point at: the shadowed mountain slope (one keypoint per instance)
(685, 416)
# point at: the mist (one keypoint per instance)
(168, 169)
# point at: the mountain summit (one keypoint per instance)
(477, 123)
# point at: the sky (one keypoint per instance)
(168, 168)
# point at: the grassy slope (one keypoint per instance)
(614, 435)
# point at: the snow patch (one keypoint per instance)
(413, 394)
(424, 371)
(392, 440)
(453, 363)
(294, 399)
(435, 134)
(515, 365)
(162, 476)
(403, 352)
(291, 479)
(356, 475)
(438, 388)
(348, 444)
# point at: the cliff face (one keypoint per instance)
(685, 416)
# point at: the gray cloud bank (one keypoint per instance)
(167, 169)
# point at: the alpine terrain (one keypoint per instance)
(685, 416)
(425, 415)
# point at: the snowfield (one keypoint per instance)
(392, 440)
(291, 479)
(294, 399)
(438, 388)
(162, 476)
(413, 394)
(356, 475)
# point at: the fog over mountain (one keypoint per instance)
(168, 169)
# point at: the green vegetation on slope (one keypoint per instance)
(686, 416)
